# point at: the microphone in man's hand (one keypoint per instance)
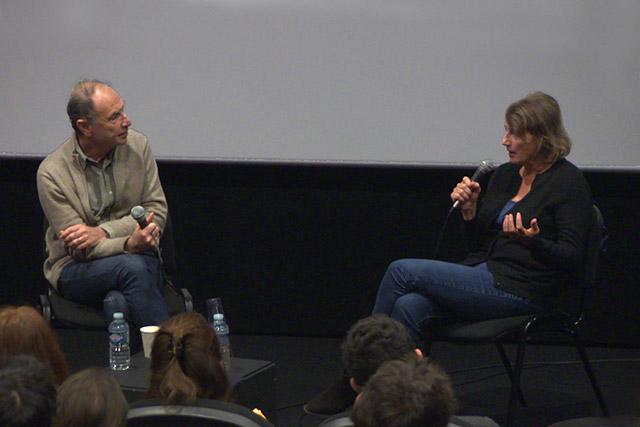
(140, 215)
(485, 167)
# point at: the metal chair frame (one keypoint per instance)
(528, 329)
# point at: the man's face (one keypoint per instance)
(110, 125)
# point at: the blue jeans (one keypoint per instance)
(136, 277)
(416, 291)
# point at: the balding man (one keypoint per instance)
(87, 188)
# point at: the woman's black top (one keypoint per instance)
(560, 199)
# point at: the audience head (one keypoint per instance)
(24, 331)
(91, 397)
(27, 394)
(372, 341)
(538, 115)
(186, 363)
(412, 392)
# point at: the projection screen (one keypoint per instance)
(395, 82)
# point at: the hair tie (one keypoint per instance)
(178, 350)
(175, 348)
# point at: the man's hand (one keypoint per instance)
(82, 236)
(144, 239)
(514, 228)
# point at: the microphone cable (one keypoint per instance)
(441, 233)
(486, 167)
(139, 214)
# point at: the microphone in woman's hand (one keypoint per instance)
(485, 167)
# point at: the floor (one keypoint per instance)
(554, 381)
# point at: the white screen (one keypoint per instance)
(355, 81)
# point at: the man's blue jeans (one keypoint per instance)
(137, 277)
(415, 291)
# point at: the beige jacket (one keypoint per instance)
(62, 189)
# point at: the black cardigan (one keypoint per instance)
(560, 199)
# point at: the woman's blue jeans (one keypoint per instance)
(416, 291)
(126, 282)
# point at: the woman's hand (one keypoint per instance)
(513, 228)
(466, 192)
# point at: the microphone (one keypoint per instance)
(485, 167)
(140, 215)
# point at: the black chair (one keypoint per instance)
(202, 413)
(56, 308)
(342, 420)
(536, 327)
(617, 421)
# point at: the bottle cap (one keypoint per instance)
(118, 315)
(218, 316)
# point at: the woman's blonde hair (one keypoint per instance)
(538, 114)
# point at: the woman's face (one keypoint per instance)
(521, 149)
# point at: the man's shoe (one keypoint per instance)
(333, 400)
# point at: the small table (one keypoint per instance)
(253, 382)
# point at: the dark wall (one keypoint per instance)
(299, 250)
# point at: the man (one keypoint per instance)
(91, 397)
(87, 188)
(377, 339)
(405, 393)
(369, 343)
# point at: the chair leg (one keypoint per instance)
(509, 369)
(188, 300)
(587, 367)
(45, 306)
(515, 384)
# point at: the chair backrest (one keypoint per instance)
(594, 246)
(204, 412)
(584, 280)
(168, 249)
(340, 421)
(456, 421)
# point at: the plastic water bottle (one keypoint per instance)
(119, 352)
(222, 330)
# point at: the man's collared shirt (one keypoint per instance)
(100, 185)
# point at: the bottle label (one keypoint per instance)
(116, 339)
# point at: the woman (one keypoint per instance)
(24, 331)
(186, 363)
(525, 235)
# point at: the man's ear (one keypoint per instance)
(84, 126)
(354, 385)
(419, 353)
